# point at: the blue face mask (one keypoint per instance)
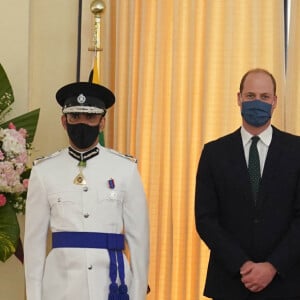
(256, 113)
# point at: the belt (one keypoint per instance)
(113, 242)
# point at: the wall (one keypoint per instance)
(14, 52)
(14, 34)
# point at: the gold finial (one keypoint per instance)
(97, 7)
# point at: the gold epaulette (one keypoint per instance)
(43, 158)
(127, 156)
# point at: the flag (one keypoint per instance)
(94, 78)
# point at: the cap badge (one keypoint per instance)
(81, 99)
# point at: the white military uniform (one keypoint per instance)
(55, 202)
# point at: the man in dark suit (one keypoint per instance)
(253, 233)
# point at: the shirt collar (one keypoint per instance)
(265, 136)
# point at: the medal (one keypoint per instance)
(79, 179)
(82, 157)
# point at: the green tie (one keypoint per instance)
(254, 166)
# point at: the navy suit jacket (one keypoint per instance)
(237, 229)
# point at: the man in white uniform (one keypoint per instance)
(92, 200)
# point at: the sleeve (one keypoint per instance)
(136, 225)
(35, 238)
(222, 244)
(287, 253)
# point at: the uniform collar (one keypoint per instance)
(83, 156)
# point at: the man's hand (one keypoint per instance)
(256, 276)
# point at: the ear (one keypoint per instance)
(274, 102)
(63, 119)
(102, 124)
(239, 99)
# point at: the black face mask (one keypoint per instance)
(82, 135)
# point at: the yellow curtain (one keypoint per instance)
(293, 76)
(175, 68)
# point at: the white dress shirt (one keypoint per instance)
(263, 144)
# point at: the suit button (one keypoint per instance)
(90, 267)
(85, 188)
(256, 221)
(86, 215)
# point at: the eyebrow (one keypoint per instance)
(253, 93)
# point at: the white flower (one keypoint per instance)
(13, 159)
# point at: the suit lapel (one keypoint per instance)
(270, 169)
(236, 155)
(239, 166)
(274, 153)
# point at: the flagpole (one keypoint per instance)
(79, 40)
(97, 7)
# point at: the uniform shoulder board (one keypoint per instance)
(127, 156)
(43, 158)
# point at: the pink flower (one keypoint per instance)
(23, 132)
(25, 183)
(22, 158)
(2, 200)
(11, 126)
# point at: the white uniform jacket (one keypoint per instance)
(54, 202)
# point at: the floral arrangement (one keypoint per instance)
(16, 138)
(13, 167)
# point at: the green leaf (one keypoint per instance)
(28, 121)
(6, 93)
(9, 232)
(9, 226)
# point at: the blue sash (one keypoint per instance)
(113, 242)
